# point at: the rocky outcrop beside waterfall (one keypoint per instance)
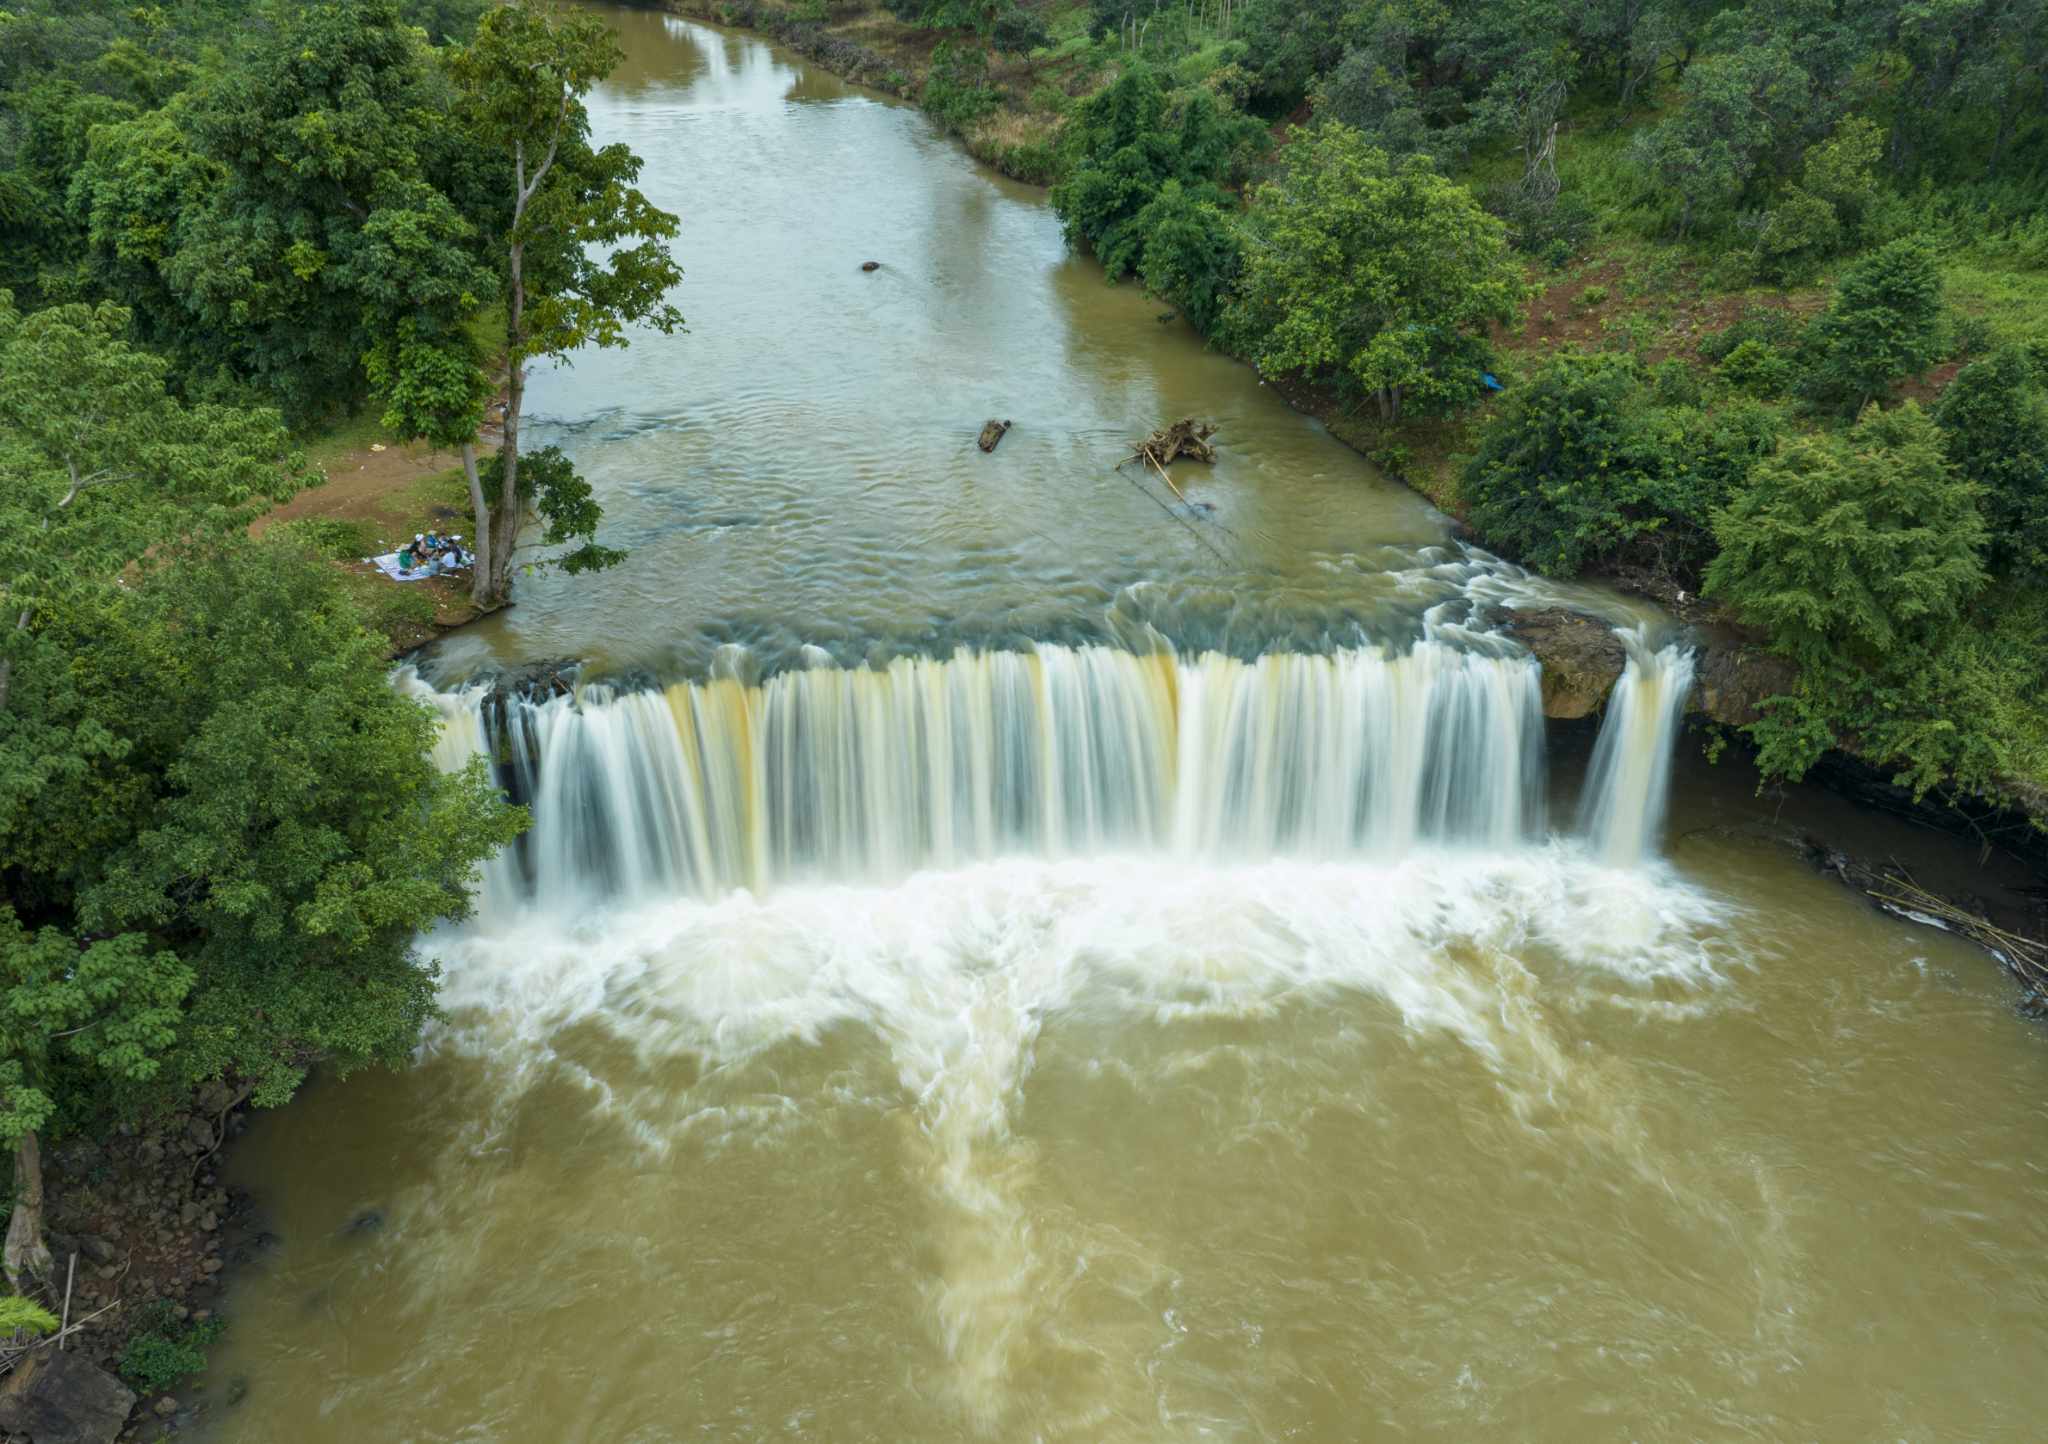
(1583, 658)
(1735, 677)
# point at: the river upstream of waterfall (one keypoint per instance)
(1002, 955)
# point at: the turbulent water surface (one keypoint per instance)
(1002, 957)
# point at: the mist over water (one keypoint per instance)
(989, 966)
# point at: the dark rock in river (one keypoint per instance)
(63, 1398)
(1582, 658)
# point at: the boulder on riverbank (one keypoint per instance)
(1733, 680)
(62, 1397)
(1581, 657)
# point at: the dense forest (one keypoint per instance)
(222, 228)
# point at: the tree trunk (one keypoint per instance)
(28, 1257)
(511, 509)
(480, 571)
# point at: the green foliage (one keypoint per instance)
(304, 189)
(1884, 323)
(1387, 276)
(1771, 326)
(164, 1350)
(1142, 173)
(220, 828)
(1994, 420)
(1735, 113)
(1758, 368)
(1192, 251)
(1847, 547)
(1001, 23)
(956, 88)
(335, 538)
(1581, 467)
(565, 504)
(20, 1317)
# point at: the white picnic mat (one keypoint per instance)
(388, 564)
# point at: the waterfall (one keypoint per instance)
(872, 773)
(1629, 782)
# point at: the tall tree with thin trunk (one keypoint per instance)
(582, 253)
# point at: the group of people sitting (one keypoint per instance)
(431, 552)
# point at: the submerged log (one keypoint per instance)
(992, 432)
(1188, 438)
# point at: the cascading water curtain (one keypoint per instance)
(834, 773)
(1622, 808)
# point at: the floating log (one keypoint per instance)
(1184, 438)
(991, 432)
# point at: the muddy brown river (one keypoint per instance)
(1003, 956)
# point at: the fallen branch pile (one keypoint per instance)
(1184, 438)
(1894, 890)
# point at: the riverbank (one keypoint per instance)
(379, 491)
(145, 1234)
(872, 48)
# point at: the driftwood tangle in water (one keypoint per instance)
(992, 432)
(1894, 890)
(1184, 438)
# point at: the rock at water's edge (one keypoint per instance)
(1733, 680)
(1582, 658)
(64, 1398)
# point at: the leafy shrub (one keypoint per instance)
(1192, 251)
(162, 1350)
(1757, 367)
(1774, 326)
(1578, 468)
(20, 1317)
(956, 88)
(1883, 323)
(1121, 151)
(335, 538)
(1851, 545)
(1676, 384)
(1994, 419)
(1800, 232)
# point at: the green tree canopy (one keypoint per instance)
(1883, 323)
(1582, 466)
(584, 255)
(1994, 418)
(1851, 545)
(219, 827)
(1386, 275)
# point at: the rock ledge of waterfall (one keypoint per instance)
(1583, 658)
